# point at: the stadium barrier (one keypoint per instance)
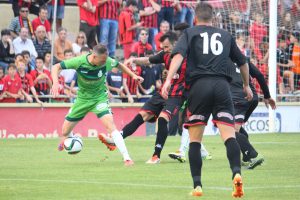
(22, 120)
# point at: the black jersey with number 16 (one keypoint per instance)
(207, 50)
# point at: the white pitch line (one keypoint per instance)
(148, 185)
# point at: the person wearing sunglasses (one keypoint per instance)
(21, 21)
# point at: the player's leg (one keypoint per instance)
(169, 110)
(139, 119)
(108, 122)
(161, 137)
(251, 108)
(76, 113)
(196, 134)
(223, 117)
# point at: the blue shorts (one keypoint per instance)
(59, 14)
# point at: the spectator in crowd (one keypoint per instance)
(12, 86)
(287, 23)
(41, 78)
(152, 78)
(127, 27)
(7, 52)
(284, 66)
(235, 25)
(163, 29)
(27, 83)
(68, 75)
(32, 5)
(294, 53)
(20, 22)
(142, 45)
(108, 13)
(18, 57)
(23, 42)
(61, 44)
(88, 13)
(30, 64)
(129, 84)
(114, 82)
(47, 60)
(296, 13)
(257, 32)
(80, 42)
(2, 73)
(41, 43)
(41, 20)
(85, 50)
(148, 12)
(167, 11)
(187, 13)
(60, 12)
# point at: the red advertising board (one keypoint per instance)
(47, 122)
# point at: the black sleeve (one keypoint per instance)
(157, 58)
(236, 54)
(181, 46)
(255, 73)
(140, 5)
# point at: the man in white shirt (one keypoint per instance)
(23, 42)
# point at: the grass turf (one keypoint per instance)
(34, 169)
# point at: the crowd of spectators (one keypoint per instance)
(136, 27)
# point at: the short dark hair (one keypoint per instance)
(40, 58)
(5, 32)
(84, 49)
(11, 65)
(181, 26)
(133, 54)
(131, 3)
(204, 12)
(18, 54)
(47, 52)
(149, 52)
(171, 36)
(25, 52)
(100, 49)
(68, 51)
(43, 7)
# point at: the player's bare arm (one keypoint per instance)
(245, 77)
(175, 64)
(126, 70)
(54, 73)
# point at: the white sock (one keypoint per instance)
(204, 152)
(185, 140)
(119, 141)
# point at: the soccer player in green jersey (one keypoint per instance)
(92, 94)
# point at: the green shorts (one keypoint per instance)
(81, 107)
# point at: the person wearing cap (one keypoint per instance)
(7, 52)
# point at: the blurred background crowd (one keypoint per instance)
(133, 28)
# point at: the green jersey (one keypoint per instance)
(91, 78)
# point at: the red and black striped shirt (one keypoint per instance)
(26, 81)
(178, 81)
(166, 3)
(131, 83)
(188, 5)
(151, 20)
(42, 85)
(109, 10)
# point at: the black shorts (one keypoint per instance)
(157, 104)
(240, 110)
(210, 95)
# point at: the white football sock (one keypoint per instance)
(185, 140)
(119, 141)
(204, 152)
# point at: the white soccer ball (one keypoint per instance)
(73, 145)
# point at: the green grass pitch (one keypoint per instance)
(34, 169)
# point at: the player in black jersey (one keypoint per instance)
(208, 50)
(243, 110)
(157, 107)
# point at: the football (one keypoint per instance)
(73, 145)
